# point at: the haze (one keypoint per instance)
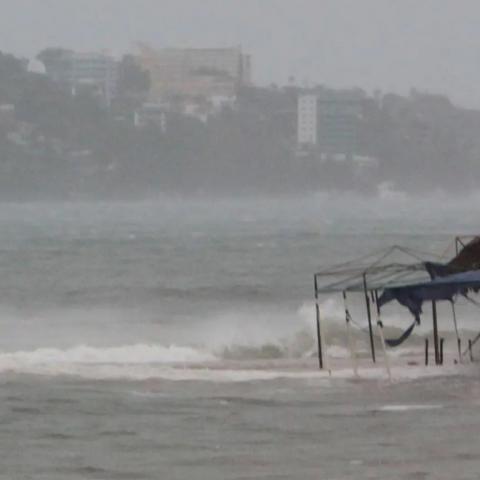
(386, 44)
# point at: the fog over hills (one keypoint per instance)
(428, 44)
(410, 69)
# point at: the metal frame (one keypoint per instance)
(371, 273)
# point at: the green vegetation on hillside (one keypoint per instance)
(56, 144)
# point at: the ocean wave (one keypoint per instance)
(135, 362)
(140, 354)
(234, 342)
(142, 362)
(87, 363)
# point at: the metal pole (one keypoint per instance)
(456, 333)
(474, 341)
(323, 342)
(470, 349)
(319, 342)
(441, 350)
(369, 314)
(384, 348)
(319, 335)
(435, 332)
(382, 341)
(426, 351)
(351, 340)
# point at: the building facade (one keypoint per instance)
(75, 70)
(195, 73)
(152, 114)
(307, 121)
(329, 123)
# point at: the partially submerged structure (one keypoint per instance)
(408, 277)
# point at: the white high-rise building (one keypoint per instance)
(307, 119)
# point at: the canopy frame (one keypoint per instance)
(378, 271)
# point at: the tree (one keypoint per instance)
(50, 55)
(13, 77)
(133, 80)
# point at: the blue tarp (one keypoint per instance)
(441, 288)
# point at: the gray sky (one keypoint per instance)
(386, 44)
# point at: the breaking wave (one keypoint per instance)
(234, 347)
(139, 361)
(135, 354)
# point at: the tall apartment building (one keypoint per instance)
(74, 70)
(195, 72)
(329, 123)
(307, 119)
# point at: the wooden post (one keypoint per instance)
(426, 352)
(369, 314)
(319, 335)
(435, 333)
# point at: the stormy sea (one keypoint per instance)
(175, 339)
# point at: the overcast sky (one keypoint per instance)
(388, 44)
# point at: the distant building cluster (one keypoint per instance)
(107, 123)
(192, 81)
(200, 82)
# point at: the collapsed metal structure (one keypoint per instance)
(406, 275)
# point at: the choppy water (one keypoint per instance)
(174, 339)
